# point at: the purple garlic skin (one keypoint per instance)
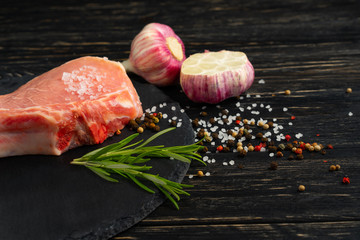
(212, 77)
(157, 54)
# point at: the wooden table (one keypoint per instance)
(311, 48)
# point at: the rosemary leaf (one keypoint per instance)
(124, 159)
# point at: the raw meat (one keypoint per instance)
(83, 101)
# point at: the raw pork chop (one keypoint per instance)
(84, 101)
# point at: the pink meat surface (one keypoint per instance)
(83, 101)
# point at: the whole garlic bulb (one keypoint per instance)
(212, 77)
(157, 54)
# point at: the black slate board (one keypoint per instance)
(44, 197)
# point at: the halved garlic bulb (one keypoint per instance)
(212, 77)
(157, 54)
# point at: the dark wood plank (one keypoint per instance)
(311, 48)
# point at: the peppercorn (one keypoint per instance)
(317, 148)
(140, 130)
(291, 157)
(287, 137)
(219, 148)
(264, 139)
(195, 123)
(257, 148)
(239, 148)
(271, 124)
(287, 92)
(224, 112)
(240, 166)
(226, 149)
(200, 134)
(242, 153)
(200, 174)
(252, 123)
(234, 134)
(212, 120)
(133, 124)
(272, 149)
(225, 120)
(156, 120)
(311, 148)
(273, 165)
(329, 146)
(173, 123)
(348, 90)
(203, 114)
(259, 135)
(332, 168)
(245, 121)
(152, 126)
(266, 126)
(118, 132)
(229, 132)
(238, 118)
(346, 180)
(281, 146)
(251, 148)
(147, 114)
(215, 135)
(323, 151)
(260, 123)
(299, 157)
(157, 128)
(138, 120)
(301, 188)
(298, 151)
(337, 166)
(204, 149)
(160, 115)
(289, 146)
(230, 143)
(248, 136)
(279, 154)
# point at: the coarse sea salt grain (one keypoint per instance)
(207, 174)
(165, 115)
(173, 108)
(285, 109)
(191, 176)
(271, 154)
(225, 163)
(261, 81)
(350, 114)
(232, 162)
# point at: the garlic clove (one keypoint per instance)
(212, 77)
(157, 54)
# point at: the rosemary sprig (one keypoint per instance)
(126, 160)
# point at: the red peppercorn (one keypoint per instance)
(329, 146)
(302, 146)
(346, 180)
(219, 148)
(155, 114)
(298, 151)
(237, 122)
(292, 117)
(287, 137)
(257, 148)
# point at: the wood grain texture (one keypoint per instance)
(311, 48)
